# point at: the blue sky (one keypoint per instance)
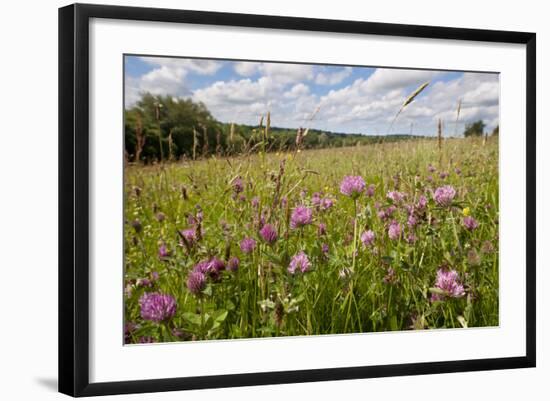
(348, 99)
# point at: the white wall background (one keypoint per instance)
(28, 199)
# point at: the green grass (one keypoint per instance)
(338, 295)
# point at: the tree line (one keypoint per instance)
(163, 128)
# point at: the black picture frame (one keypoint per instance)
(74, 198)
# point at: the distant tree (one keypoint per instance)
(168, 122)
(474, 129)
(495, 131)
(323, 139)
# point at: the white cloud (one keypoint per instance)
(131, 91)
(162, 80)
(244, 91)
(238, 100)
(297, 90)
(198, 66)
(287, 73)
(369, 105)
(387, 79)
(479, 95)
(278, 72)
(333, 78)
(246, 69)
(280, 89)
(167, 77)
(245, 100)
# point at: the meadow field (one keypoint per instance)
(373, 238)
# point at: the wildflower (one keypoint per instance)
(367, 237)
(326, 203)
(422, 202)
(387, 213)
(448, 282)
(146, 340)
(470, 223)
(160, 217)
(324, 249)
(411, 238)
(299, 261)
(212, 268)
(233, 264)
(157, 307)
(216, 266)
(322, 229)
(370, 190)
(352, 186)
(316, 199)
(411, 221)
(202, 267)
(284, 201)
(188, 236)
(394, 230)
(255, 202)
(269, 234)
(466, 211)
(390, 210)
(395, 196)
(196, 282)
(458, 171)
(443, 175)
(163, 252)
(431, 168)
(248, 244)
(444, 196)
(191, 220)
(238, 185)
(301, 216)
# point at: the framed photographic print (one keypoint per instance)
(249, 199)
